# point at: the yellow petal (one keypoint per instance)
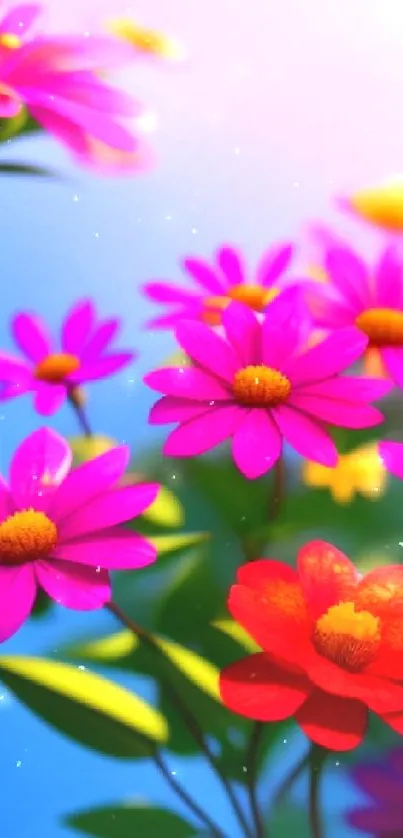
(382, 205)
(87, 448)
(166, 511)
(313, 474)
(343, 488)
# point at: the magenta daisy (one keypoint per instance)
(260, 384)
(371, 299)
(52, 372)
(59, 528)
(391, 454)
(218, 284)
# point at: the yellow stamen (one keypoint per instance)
(10, 41)
(383, 326)
(26, 536)
(348, 637)
(55, 368)
(260, 386)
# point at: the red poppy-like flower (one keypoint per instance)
(332, 645)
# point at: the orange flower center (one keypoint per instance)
(26, 536)
(55, 368)
(260, 386)
(383, 326)
(255, 296)
(10, 41)
(348, 637)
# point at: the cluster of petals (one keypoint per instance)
(59, 80)
(332, 645)
(52, 372)
(219, 283)
(260, 383)
(59, 527)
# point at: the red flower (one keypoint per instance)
(332, 645)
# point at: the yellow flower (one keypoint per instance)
(381, 206)
(360, 471)
(145, 41)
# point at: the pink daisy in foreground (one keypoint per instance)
(58, 528)
(261, 384)
(59, 80)
(53, 373)
(220, 283)
(371, 299)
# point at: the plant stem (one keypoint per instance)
(186, 798)
(316, 760)
(277, 497)
(80, 412)
(289, 781)
(251, 764)
(190, 720)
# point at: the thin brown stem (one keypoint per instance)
(75, 400)
(189, 719)
(251, 764)
(197, 810)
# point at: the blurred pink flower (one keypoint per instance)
(261, 384)
(57, 78)
(52, 373)
(58, 528)
(371, 299)
(391, 454)
(220, 283)
(382, 782)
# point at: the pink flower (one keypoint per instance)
(58, 528)
(58, 79)
(219, 284)
(381, 816)
(371, 299)
(53, 373)
(261, 384)
(391, 453)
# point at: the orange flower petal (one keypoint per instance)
(326, 575)
(333, 722)
(259, 689)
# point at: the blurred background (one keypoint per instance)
(280, 105)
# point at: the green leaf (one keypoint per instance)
(86, 707)
(235, 630)
(11, 168)
(168, 544)
(138, 821)
(288, 822)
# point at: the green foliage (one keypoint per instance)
(131, 820)
(8, 167)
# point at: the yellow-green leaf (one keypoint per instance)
(234, 630)
(114, 647)
(170, 543)
(166, 511)
(85, 706)
(87, 448)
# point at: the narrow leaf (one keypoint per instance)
(124, 821)
(166, 511)
(11, 168)
(237, 633)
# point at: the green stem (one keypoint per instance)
(278, 494)
(189, 719)
(251, 764)
(317, 759)
(186, 798)
(287, 784)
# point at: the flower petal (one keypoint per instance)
(257, 443)
(232, 265)
(204, 432)
(170, 409)
(389, 279)
(20, 18)
(100, 340)
(188, 383)
(102, 367)
(14, 371)
(326, 575)
(392, 358)
(336, 723)
(40, 464)
(337, 412)
(209, 350)
(77, 327)
(289, 313)
(31, 335)
(205, 276)
(49, 398)
(350, 275)
(72, 585)
(113, 549)
(259, 689)
(17, 597)
(269, 603)
(273, 263)
(243, 332)
(391, 454)
(329, 357)
(305, 435)
(384, 822)
(89, 480)
(381, 591)
(162, 292)
(348, 388)
(107, 510)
